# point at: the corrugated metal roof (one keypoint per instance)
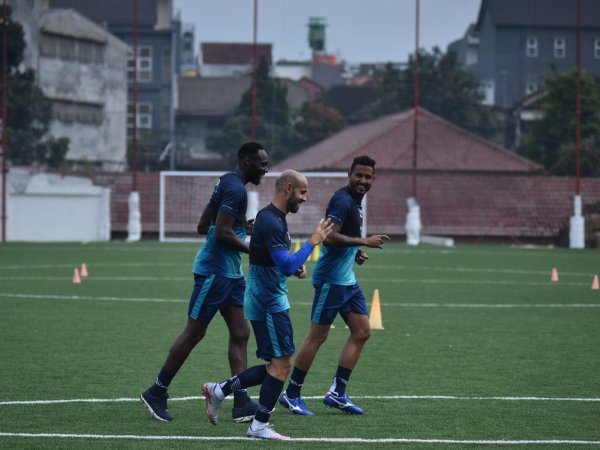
(233, 53)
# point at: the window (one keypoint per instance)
(166, 64)
(597, 48)
(531, 88)
(143, 117)
(144, 64)
(559, 47)
(531, 49)
(74, 112)
(70, 49)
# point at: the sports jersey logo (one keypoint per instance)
(217, 186)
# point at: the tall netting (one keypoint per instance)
(183, 196)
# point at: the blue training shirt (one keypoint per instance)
(336, 264)
(229, 196)
(266, 287)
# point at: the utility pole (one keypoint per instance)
(254, 70)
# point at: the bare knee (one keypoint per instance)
(280, 368)
(194, 332)
(318, 335)
(361, 335)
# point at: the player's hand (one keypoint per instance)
(301, 272)
(360, 257)
(249, 226)
(324, 229)
(377, 240)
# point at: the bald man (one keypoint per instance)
(266, 303)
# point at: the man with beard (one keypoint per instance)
(218, 282)
(336, 291)
(266, 303)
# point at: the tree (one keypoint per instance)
(274, 127)
(28, 111)
(551, 140)
(445, 89)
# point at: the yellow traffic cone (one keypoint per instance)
(375, 315)
(315, 253)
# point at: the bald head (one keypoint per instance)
(288, 177)
(290, 191)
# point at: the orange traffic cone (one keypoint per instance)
(554, 276)
(84, 272)
(76, 279)
(375, 314)
(595, 285)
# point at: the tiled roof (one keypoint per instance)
(233, 53)
(541, 13)
(220, 96)
(389, 140)
(113, 12)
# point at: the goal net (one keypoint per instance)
(183, 196)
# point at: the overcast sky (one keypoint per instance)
(357, 31)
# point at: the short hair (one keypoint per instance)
(363, 161)
(249, 149)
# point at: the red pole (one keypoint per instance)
(4, 115)
(135, 99)
(254, 69)
(578, 113)
(416, 106)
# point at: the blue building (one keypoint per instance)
(515, 44)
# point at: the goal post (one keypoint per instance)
(184, 195)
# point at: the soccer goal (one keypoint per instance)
(183, 196)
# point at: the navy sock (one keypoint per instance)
(295, 384)
(269, 393)
(162, 382)
(341, 380)
(240, 398)
(253, 376)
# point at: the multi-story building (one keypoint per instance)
(82, 70)
(515, 45)
(158, 63)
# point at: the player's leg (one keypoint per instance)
(324, 309)
(239, 332)
(355, 315)
(201, 309)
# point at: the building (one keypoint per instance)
(515, 43)
(205, 103)
(82, 70)
(225, 59)
(158, 63)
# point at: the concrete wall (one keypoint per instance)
(50, 208)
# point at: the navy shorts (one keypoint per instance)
(274, 336)
(331, 299)
(214, 293)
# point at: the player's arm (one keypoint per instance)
(204, 222)
(225, 235)
(292, 264)
(337, 239)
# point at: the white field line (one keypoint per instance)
(294, 280)
(402, 305)
(314, 397)
(308, 439)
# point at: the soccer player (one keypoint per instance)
(266, 303)
(336, 291)
(218, 282)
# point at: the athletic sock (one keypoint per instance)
(341, 380)
(240, 398)
(162, 382)
(295, 384)
(252, 376)
(269, 393)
